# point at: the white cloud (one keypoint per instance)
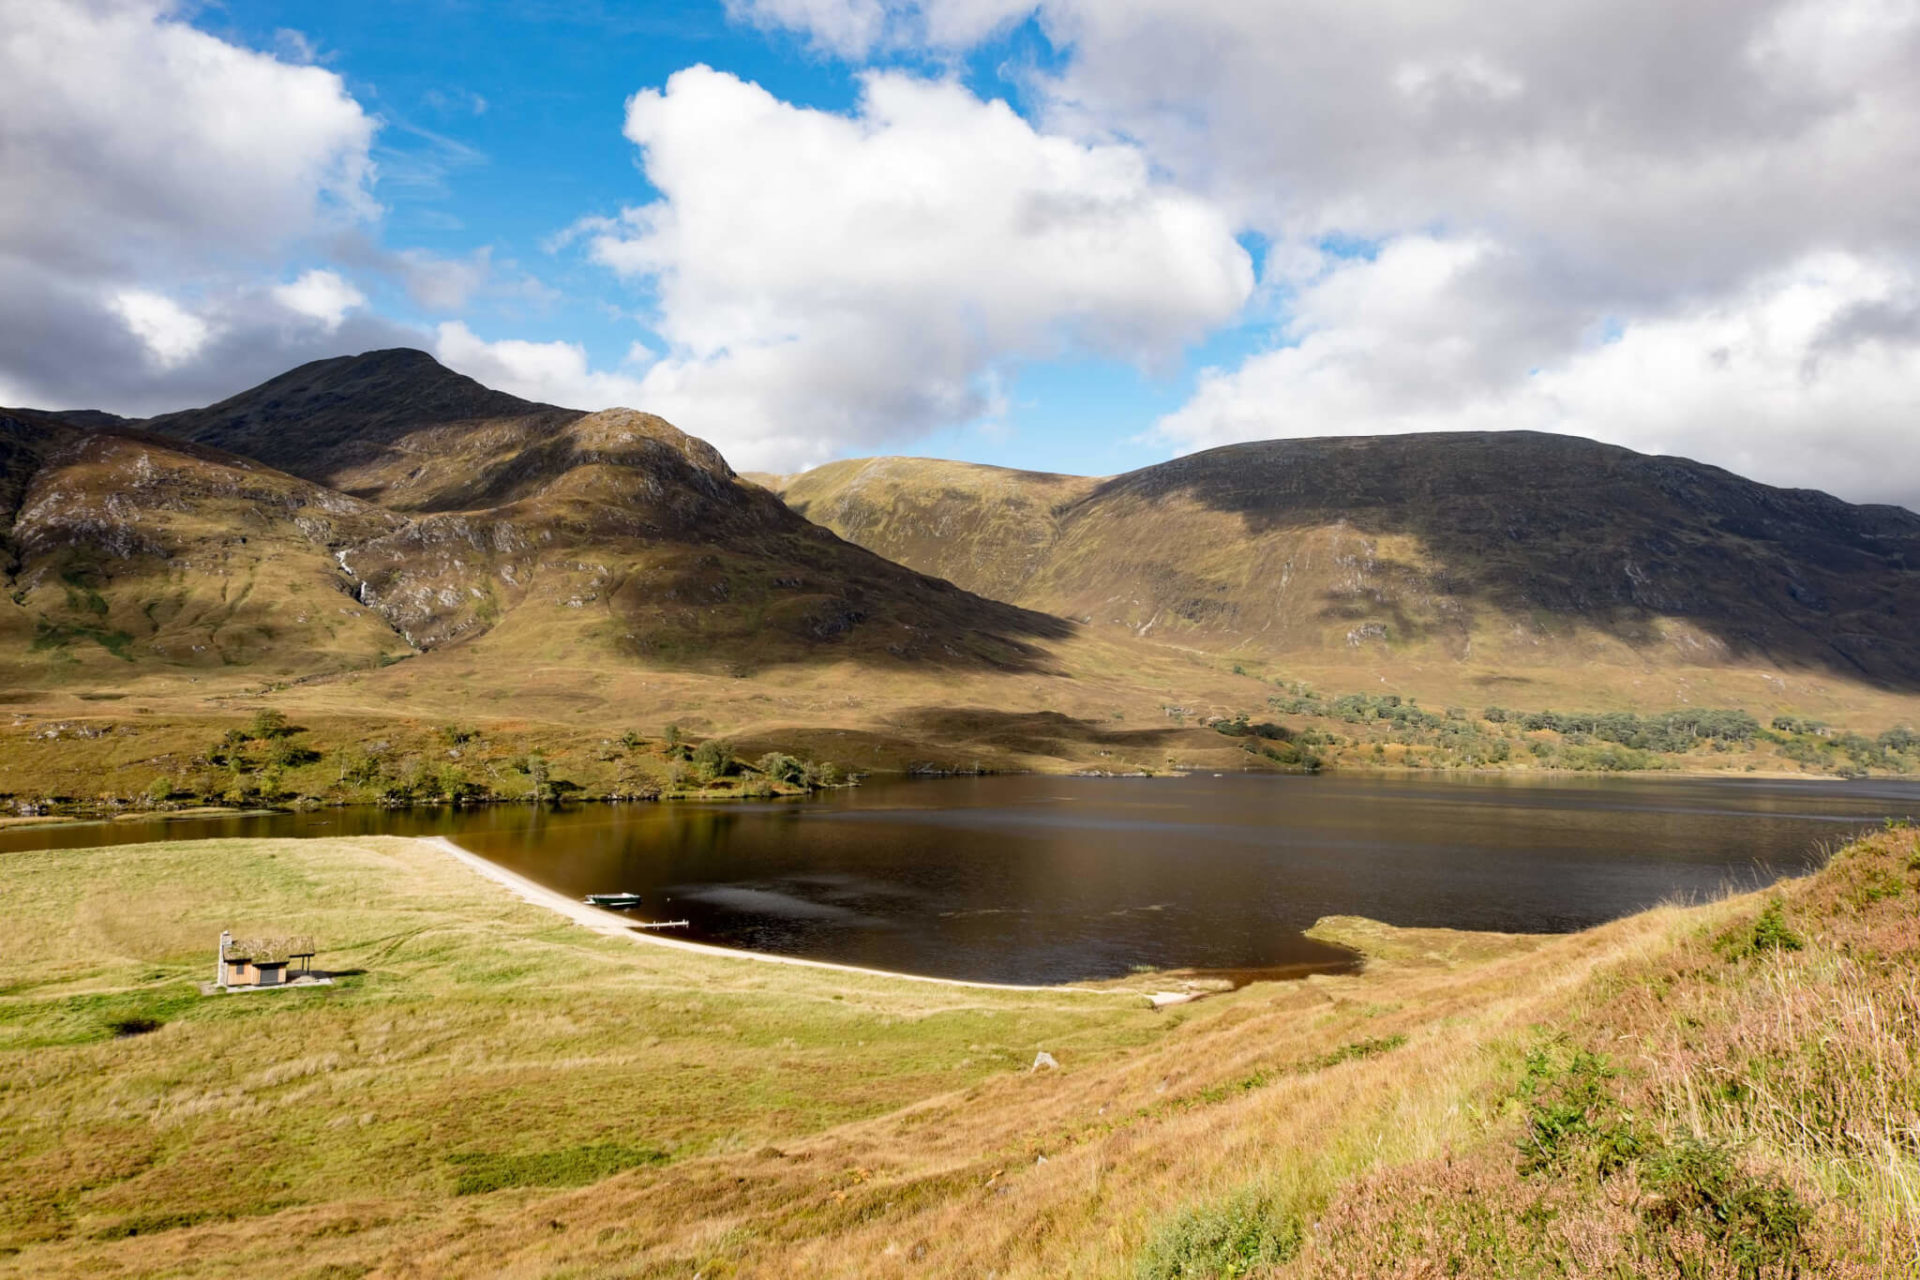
(1798, 380)
(857, 28)
(171, 334)
(127, 132)
(826, 281)
(320, 295)
(549, 372)
(1538, 172)
(143, 161)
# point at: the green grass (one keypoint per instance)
(478, 1172)
(58, 636)
(1242, 1236)
(463, 1022)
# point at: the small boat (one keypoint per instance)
(614, 901)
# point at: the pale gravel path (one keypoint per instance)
(613, 925)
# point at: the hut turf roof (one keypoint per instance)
(269, 950)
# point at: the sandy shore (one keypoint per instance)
(615, 925)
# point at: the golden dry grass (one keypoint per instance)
(1342, 1121)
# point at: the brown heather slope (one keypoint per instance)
(622, 539)
(561, 581)
(1506, 551)
(989, 529)
(600, 538)
(395, 427)
(124, 553)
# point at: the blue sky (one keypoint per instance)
(502, 128)
(1059, 234)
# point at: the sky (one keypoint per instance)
(1077, 235)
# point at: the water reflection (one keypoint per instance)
(1029, 879)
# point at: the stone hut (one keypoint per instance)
(262, 962)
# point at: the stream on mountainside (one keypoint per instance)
(1032, 878)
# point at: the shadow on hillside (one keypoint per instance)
(1040, 733)
(1568, 531)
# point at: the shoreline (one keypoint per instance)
(611, 925)
(88, 816)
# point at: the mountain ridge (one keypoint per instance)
(570, 577)
(1439, 542)
(393, 426)
(628, 539)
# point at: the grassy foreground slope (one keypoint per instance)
(1727, 1090)
(471, 1043)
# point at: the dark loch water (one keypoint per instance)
(1038, 879)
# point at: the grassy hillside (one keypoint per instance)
(989, 529)
(394, 427)
(1509, 550)
(470, 1043)
(126, 555)
(1726, 1090)
(554, 581)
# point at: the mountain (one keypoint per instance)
(1498, 549)
(124, 552)
(432, 511)
(637, 541)
(395, 427)
(567, 580)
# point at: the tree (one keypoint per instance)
(629, 739)
(537, 774)
(288, 754)
(777, 766)
(673, 736)
(160, 790)
(713, 759)
(267, 723)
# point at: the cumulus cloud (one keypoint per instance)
(858, 28)
(1755, 381)
(170, 333)
(153, 178)
(128, 133)
(826, 281)
(320, 295)
(1522, 176)
(549, 372)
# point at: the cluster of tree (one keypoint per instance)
(1607, 741)
(1359, 708)
(1851, 755)
(715, 760)
(250, 763)
(1668, 732)
(1239, 727)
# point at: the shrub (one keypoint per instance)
(268, 723)
(1573, 1115)
(713, 759)
(1238, 1237)
(1770, 932)
(1757, 1225)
